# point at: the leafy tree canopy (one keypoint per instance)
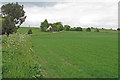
(67, 27)
(118, 29)
(88, 29)
(15, 12)
(44, 25)
(78, 29)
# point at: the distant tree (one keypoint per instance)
(15, 12)
(72, 29)
(97, 30)
(118, 29)
(58, 23)
(29, 31)
(78, 29)
(67, 27)
(8, 26)
(91, 27)
(44, 25)
(57, 26)
(88, 30)
(54, 28)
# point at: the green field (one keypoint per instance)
(67, 54)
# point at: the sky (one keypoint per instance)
(81, 13)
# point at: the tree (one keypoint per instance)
(67, 27)
(92, 28)
(118, 29)
(44, 25)
(78, 29)
(59, 27)
(8, 26)
(88, 29)
(15, 12)
(97, 30)
(13, 15)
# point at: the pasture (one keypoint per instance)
(67, 54)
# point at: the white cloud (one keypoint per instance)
(59, 0)
(0, 4)
(97, 13)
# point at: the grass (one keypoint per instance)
(0, 57)
(18, 57)
(67, 54)
(0, 48)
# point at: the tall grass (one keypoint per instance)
(0, 57)
(19, 57)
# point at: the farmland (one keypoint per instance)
(66, 54)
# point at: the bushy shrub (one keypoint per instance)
(97, 30)
(29, 31)
(78, 29)
(118, 29)
(66, 27)
(88, 29)
(72, 29)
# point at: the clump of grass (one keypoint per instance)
(18, 57)
(30, 31)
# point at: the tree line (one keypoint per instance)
(57, 26)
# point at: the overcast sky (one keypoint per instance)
(100, 14)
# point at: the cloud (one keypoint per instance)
(1, 4)
(97, 13)
(59, 0)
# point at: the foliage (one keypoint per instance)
(88, 29)
(15, 12)
(92, 28)
(0, 57)
(30, 31)
(44, 25)
(67, 27)
(78, 29)
(56, 26)
(8, 26)
(18, 57)
(97, 30)
(59, 26)
(73, 29)
(14, 15)
(118, 29)
(38, 71)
